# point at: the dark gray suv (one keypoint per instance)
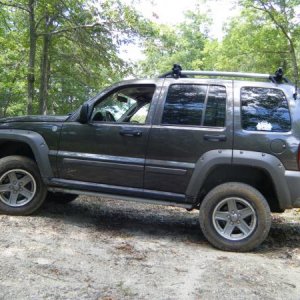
(225, 146)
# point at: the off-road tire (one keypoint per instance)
(27, 166)
(241, 191)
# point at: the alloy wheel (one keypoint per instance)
(17, 187)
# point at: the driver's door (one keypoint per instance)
(110, 149)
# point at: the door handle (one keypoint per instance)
(130, 132)
(214, 138)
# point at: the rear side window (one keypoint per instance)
(264, 109)
(197, 105)
(184, 104)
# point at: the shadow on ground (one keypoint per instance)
(156, 221)
(128, 217)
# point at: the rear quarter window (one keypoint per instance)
(264, 109)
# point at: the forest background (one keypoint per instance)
(56, 54)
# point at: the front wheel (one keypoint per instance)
(235, 217)
(22, 190)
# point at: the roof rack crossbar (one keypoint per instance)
(177, 72)
(226, 74)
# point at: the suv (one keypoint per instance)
(227, 147)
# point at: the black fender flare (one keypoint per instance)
(203, 167)
(267, 162)
(37, 144)
(273, 166)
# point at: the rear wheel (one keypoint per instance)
(235, 217)
(22, 190)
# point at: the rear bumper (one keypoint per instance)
(293, 182)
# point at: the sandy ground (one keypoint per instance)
(103, 249)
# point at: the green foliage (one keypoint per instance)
(283, 15)
(81, 54)
(249, 46)
(179, 44)
(78, 46)
(12, 69)
(253, 41)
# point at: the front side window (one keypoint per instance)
(141, 114)
(197, 105)
(264, 109)
(130, 105)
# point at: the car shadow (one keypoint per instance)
(161, 222)
(128, 218)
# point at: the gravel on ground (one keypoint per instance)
(104, 249)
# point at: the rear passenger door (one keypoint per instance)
(193, 116)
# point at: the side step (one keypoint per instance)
(120, 197)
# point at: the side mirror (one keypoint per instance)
(84, 114)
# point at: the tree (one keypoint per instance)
(250, 45)
(97, 30)
(29, 9)
(12, 68)
(181, 44)
(90, 33)
(282, 13)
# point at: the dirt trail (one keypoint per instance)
(104, 249)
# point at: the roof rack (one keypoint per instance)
(177, 72)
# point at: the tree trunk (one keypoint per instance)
(43, 95)
(2, 106)
(45, 68)
(32, 52)
(6, 106)
(294, 61)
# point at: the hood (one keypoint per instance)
(34, 119)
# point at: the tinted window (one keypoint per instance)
(184, 104)
(264, 110)
(215, 108)
(191, 105)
